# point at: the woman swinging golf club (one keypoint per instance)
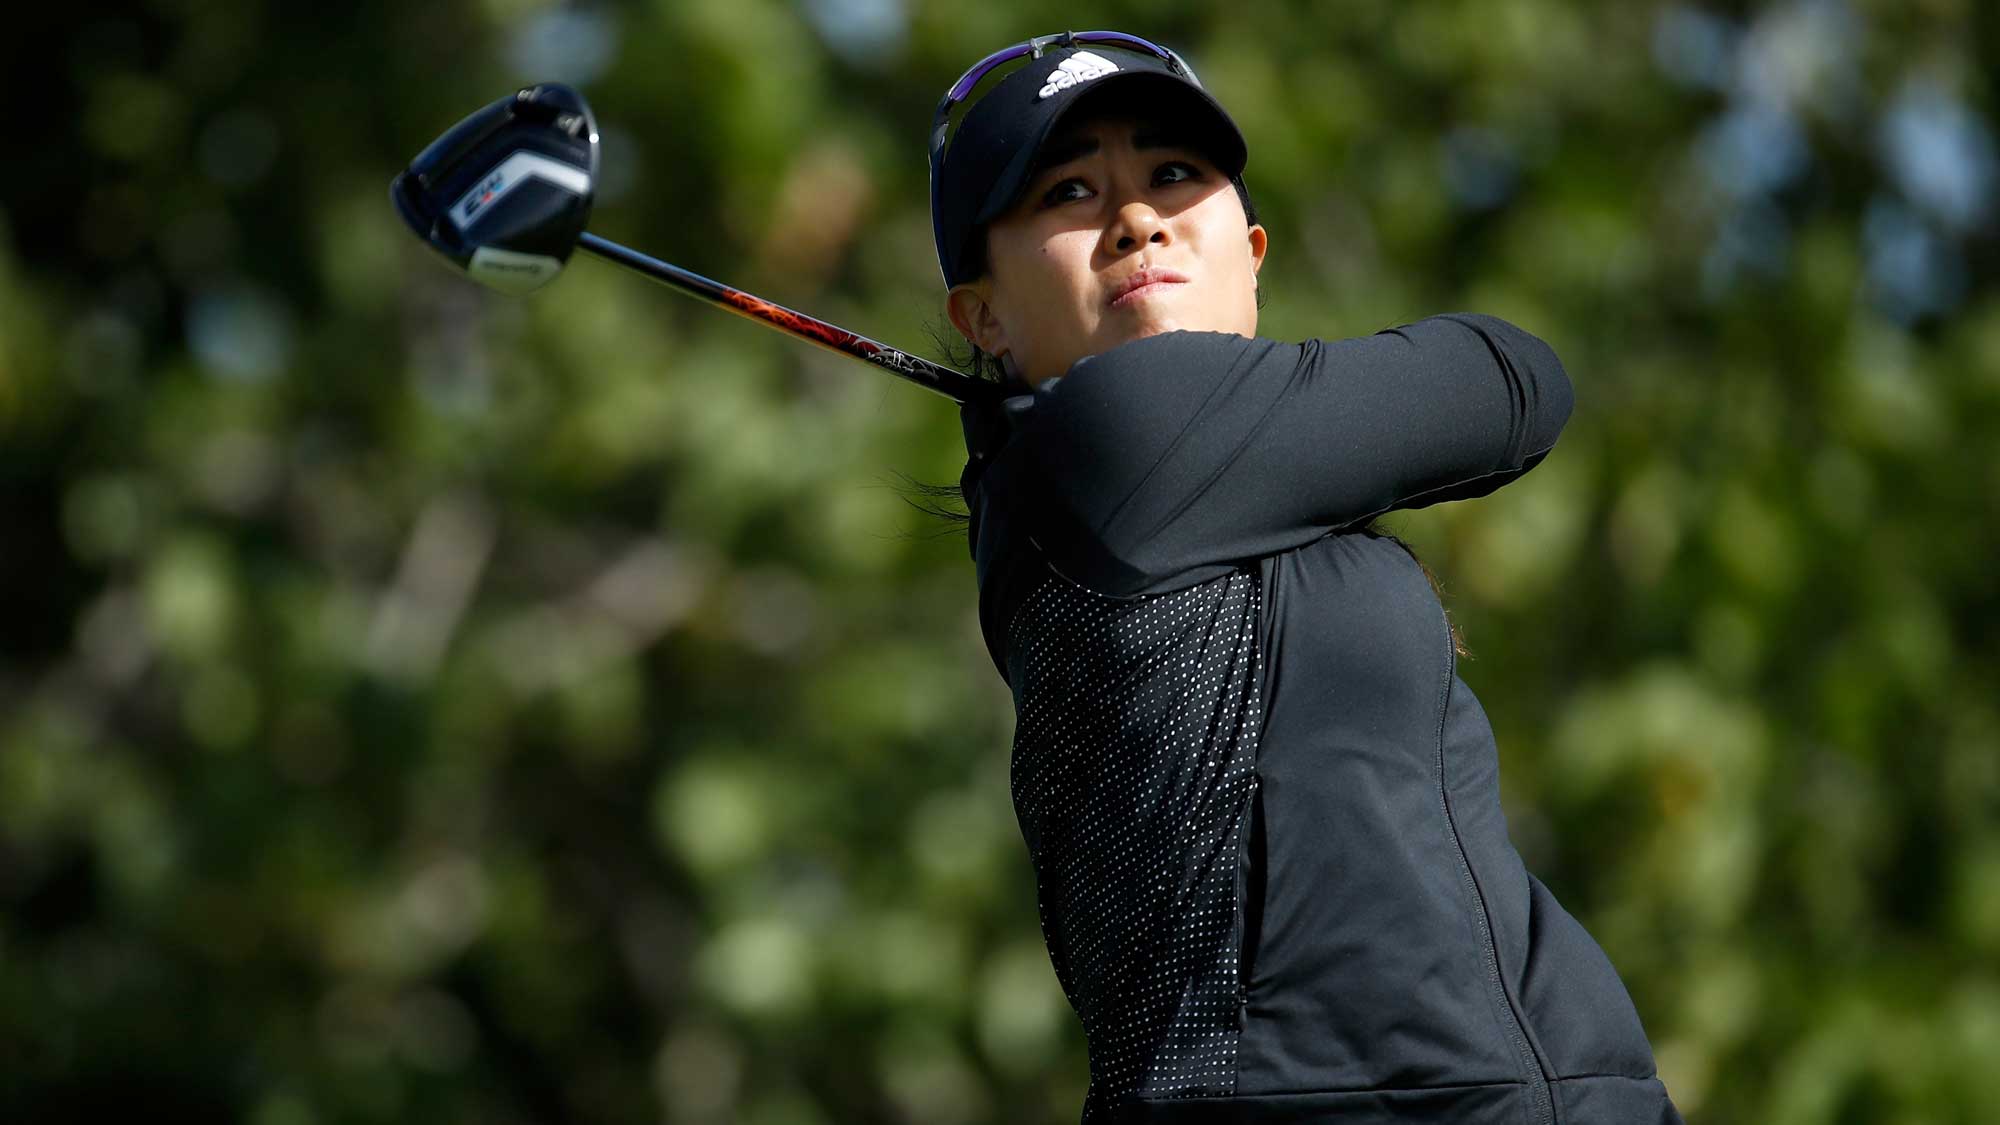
(1263, 810)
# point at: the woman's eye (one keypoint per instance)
(1074, 188)
(1065, 191)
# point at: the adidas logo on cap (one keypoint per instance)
(1076, 70)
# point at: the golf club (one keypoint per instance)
(504, 196)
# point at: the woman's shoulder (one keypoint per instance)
(1172, 348)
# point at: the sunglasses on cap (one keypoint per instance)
(1033, 48)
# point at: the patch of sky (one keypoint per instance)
(1752, 150)
(1694, 47)
(240, 334)
(1756, 239)
(1940, 153)
(865, 33)
(571, 45)
(1911, 272)
(1479, 167)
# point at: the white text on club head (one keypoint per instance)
(517, 169)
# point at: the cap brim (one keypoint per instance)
(1227, 148)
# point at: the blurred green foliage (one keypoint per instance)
(420, 705)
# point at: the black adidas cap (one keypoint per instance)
(990, 159)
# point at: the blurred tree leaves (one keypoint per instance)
(417, 704)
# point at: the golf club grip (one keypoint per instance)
(954, 385)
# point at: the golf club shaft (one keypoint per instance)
(954, 385)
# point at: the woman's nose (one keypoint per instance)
(1137, 223)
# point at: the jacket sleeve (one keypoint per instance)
(1172, 457)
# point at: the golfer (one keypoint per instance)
(1262, 808)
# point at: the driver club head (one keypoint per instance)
(506, 192)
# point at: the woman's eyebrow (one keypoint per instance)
(1065, 149)
(1062, 150)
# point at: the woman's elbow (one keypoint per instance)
(1537, 381)
(1548, 393)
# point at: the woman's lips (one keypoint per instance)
(1145, 283)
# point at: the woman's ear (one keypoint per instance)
(1260, 241)
(971, 310)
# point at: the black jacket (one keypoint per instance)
(1263, 810)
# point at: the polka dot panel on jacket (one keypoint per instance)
(1134, 761)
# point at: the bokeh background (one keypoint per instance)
(422, 705)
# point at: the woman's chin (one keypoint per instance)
(1152, 326)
